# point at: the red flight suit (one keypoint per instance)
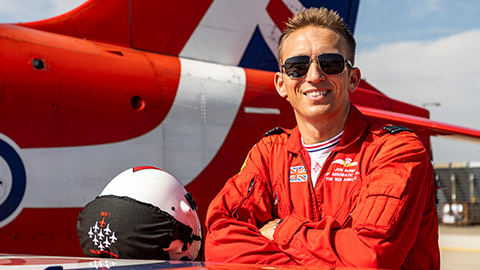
(373, 204)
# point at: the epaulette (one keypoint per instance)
(277, 130)
(394, 129)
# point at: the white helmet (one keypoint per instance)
(153, 187)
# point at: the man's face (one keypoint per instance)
(317, 97)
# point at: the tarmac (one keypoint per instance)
(459, 247)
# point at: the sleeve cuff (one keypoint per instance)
(285, 229)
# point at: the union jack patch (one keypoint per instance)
(297, 174)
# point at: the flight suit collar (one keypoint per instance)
(354, 128)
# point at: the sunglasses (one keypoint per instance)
(330, 63)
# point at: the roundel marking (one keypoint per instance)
(19, 180)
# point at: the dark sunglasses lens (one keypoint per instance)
(297, 66)
(331, 63)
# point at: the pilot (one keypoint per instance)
(337, 190)
(143, 213)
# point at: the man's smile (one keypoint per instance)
(315, 93)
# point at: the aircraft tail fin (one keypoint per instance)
(241, 33)
(97, 20)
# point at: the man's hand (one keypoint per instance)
(268, 228)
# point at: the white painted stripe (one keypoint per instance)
(204, 110)
(224, 32)
(206, 104)
(258, 110)
(294, 5)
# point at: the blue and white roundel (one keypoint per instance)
(11, 197)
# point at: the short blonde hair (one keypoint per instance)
(321, 17)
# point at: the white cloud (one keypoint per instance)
(28, 10)
(62, 6)
(445, 70)
(427, 6)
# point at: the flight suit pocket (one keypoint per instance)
(252, 207)
(381, 205)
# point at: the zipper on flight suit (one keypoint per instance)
(249, 191)
(308, 172)
(315, 210)
(348, 219)
(320, 175)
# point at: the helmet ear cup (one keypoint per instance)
(151, 214)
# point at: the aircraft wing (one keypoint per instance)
(424, 125)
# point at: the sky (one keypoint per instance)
(423, 52)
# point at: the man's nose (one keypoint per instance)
(315, 72)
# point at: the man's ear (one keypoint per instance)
(280, 84)
(355, 76)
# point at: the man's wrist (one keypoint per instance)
(276, 225)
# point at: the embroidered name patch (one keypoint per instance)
(343, 171)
